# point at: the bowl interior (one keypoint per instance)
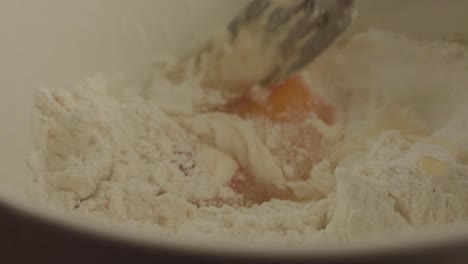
(57, 43)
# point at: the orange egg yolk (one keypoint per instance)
(288, 104)
(289, 101)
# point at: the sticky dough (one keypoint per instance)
(237, 137)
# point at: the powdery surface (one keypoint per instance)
(107, 151)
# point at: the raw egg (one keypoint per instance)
(288, 101)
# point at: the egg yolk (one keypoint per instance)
(287, 104)
(289, 101)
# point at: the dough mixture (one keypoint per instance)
(371, 139)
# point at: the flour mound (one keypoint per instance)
(401, 163)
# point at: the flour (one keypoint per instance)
(396, 159)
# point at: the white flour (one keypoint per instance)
(107, 151)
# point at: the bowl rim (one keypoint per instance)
(432, 239)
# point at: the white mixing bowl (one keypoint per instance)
(57, 43)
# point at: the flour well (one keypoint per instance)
(395, 160)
